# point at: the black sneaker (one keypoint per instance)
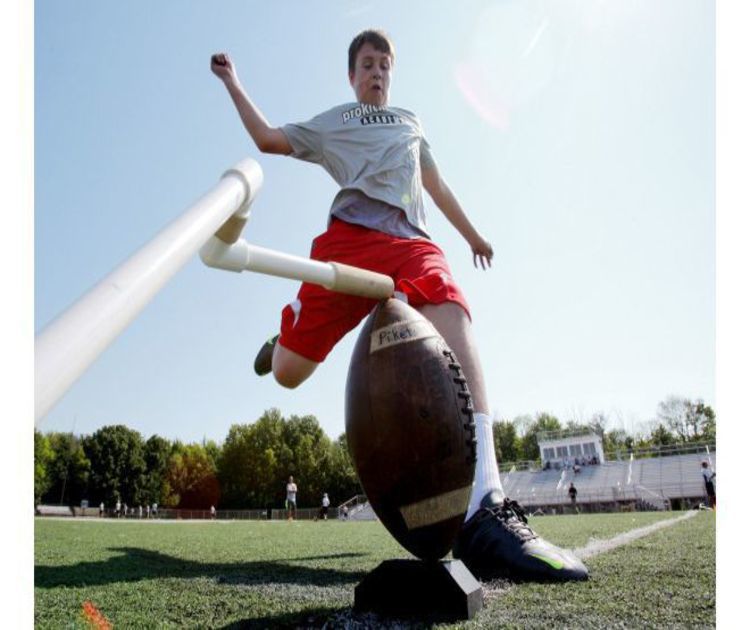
(265, 356)
(497, 542)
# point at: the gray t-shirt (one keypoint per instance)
(374, 154)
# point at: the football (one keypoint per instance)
(410, 429)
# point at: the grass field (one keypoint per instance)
(302, 574)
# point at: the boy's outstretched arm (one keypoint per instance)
(266, 138)
(444, 199)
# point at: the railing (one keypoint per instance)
(353, 505)
(171, 514)
(655, 498)
(614, 455)
(509, 467)
(544, 436)
(662, 451)
(658, 497)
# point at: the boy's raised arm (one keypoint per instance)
(446, 201)
(268, 139)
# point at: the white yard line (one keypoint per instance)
(595, 547)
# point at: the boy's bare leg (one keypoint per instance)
(493, 540)
(454, 325)
(291, 369)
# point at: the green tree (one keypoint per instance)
(213, 450)
(617, 443)
(642, 441)
(309, 453)
(701, 419)
(118, 469)
(234, 467)
(155, 489)
(257, 459)
(672, 413)
(270, 457)
(43, 456)
(573, 425)
(252, 461)
(192, 479)
(598, 424)
(507, 443)
(687, 420)
(708, 426)
(522, 424)
(529, 442)
(67, 470)
(661, 436)
(342, 482)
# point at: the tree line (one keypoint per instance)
(250, 468)
(248, 471)
(678, 421)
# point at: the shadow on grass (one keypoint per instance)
(143, 564)
(311, 618)
(341, 617)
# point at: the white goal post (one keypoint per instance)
(70, 343)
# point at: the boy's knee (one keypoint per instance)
(290, 369)
(287, 377)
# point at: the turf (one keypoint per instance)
(303, 574)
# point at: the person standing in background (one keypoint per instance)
(708, 480)
(291, 499)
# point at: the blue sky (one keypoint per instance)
(578, 135)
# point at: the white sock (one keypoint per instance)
(486, 475)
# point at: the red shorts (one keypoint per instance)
(315, 322)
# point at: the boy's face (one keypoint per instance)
(371, 78)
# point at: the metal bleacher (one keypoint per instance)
(358, 508)
(650, 483)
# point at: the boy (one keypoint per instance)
(291, 499)
(324, 505)
(379, 156)
(708, 480)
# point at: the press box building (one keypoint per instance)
(565, 447)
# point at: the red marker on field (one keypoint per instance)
(94, 617)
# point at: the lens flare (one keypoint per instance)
(512, 55)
